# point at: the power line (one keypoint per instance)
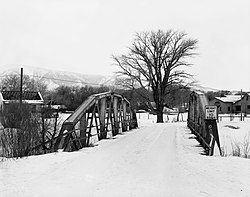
(65, 80)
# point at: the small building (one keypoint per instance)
(34, 99)
(232, 104)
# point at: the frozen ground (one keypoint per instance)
(155, 160)
(234, 132)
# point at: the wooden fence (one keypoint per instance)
(233, 117)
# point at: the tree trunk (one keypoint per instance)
(159, 116)
(159, 105)
(159, 112)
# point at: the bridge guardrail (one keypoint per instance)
(205, 129)
(103, 113)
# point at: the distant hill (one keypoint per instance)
(201, 88)
(55, 78)
(204, 89)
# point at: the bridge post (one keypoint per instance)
(102, 117)
(133, 121)
(120, 114)
(61, 141)
(212, 135)
(124, 121)
(83, 129)
(115, 109)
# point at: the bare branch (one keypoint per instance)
(155, 59)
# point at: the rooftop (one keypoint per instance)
(26, 95)
(229, 98)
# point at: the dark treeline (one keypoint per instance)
(73, 96)
(177, 97)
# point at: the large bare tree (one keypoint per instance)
(155, 62)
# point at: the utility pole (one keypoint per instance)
(21, 87)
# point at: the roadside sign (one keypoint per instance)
(211, 112)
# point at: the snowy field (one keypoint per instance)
(156, 160)
(234, 132)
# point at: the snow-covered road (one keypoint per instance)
(155, 160)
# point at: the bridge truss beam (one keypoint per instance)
(98, 116)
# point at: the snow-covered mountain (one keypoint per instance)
(55, 78)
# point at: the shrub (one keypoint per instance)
(236, 149)
(224, 151)
(21, 131)
(241, 149)
(246, 146)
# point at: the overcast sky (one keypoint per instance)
(81, 35)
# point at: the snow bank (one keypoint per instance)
(213, 176)
(233, 132)
(156, 160)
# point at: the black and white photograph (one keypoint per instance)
(112, 98)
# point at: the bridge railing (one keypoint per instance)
(97, 117)
(206, 131)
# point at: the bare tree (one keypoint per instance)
(12, 83)
(155, 62)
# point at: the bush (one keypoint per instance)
(241, 149)
(21, 131)
(224, 151)
(246, 147)
(236, 149)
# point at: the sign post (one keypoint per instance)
(211, 126)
